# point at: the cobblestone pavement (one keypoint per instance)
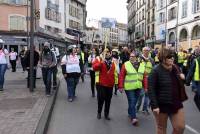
(20, 110)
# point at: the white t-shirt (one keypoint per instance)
(72, 63)
(13, 55)
(56, 51)
(3, 58)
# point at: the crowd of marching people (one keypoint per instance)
(152, 79)
(155, 77)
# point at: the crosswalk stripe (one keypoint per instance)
(191, 129)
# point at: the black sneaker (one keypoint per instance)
(48, 95)
(98, 116)
(1, 89)
(107, 118)
(145, 112)
(93, 95)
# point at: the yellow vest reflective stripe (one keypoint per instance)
(180, 57)
(82, 55)
(196, 73)
(133, 79)
(97, 77)
(97, 72)
(148, 66)
(185, 63)
(116, 74)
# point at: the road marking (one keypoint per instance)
(192, 129)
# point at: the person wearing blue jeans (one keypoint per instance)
(146, 102)
(3, 64)
(132, 96)
(46, 75)
(3, 68)
(72, 67)
(71, 86)
(130, 81)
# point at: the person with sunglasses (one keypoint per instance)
(167, 93)
(130, 81)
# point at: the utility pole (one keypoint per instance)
(27, 21)
(31, 45)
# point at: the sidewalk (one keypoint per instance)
(20, 110)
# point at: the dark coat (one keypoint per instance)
(160, 86)
(27, 58)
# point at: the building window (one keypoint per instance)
(142, 27)
(162, 17)
(53, 15)
(148, 31)
(74, 24)
(196, 32)
(172, 13)
(152, 30)
(74, 12)
(195, 6)
(17, 23)
(142, 13)
(15, 2)
(171, 1)
(161, 3)
(184, 9)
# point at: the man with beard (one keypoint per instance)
(47, 62)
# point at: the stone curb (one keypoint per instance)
(43, 124)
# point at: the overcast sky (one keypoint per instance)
(97, 9)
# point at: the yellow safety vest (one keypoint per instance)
(185, 63)
(196, 73)
(133, 79)
(97, 73)
(83, 55)
(148, 66)
(181, 57)
(156, 59)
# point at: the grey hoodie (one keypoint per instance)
(48, 59)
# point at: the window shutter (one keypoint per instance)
(193, 6)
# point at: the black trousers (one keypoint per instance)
(104, 94)
(92, 76)
(34, 78)
(13, 65)
(23, 64)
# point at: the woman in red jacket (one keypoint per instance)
(107, 79)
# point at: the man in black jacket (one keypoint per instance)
(27, 65)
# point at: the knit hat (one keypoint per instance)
(47, 44)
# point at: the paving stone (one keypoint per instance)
(20, 110)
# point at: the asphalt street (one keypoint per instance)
(79, 117)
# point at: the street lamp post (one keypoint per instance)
(31, 45)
